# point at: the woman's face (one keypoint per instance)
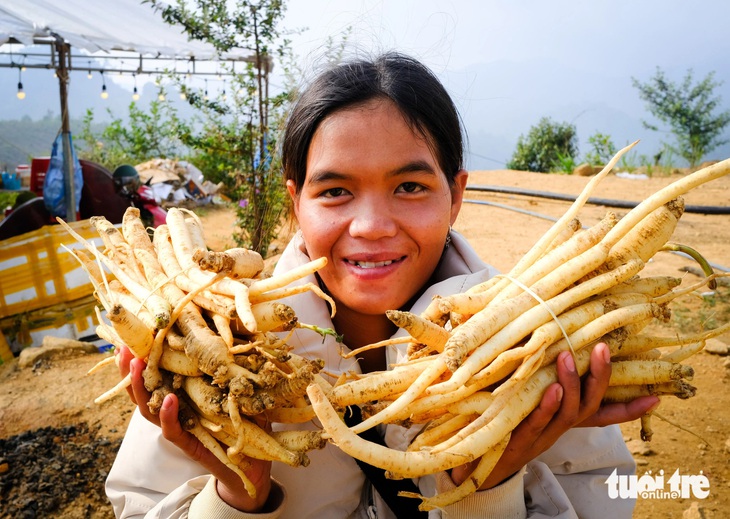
(376, 204)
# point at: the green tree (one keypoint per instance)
(146, 135)
(602, 149)
(239, 129)
(546, 147)
(149, 133)
(91, 145)
(690, 111)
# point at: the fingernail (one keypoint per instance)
(654, 406)
(166, 403)
(606, 355)
(559, 393)
(569, 363)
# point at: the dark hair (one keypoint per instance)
(414, 89)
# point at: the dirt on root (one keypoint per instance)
(56, 445)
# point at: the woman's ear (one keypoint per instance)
(457, 193)
(292, 189)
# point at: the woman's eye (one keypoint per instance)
(334, 192)
(410, 187)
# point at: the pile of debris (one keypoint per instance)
(56, 472)
(177, 183)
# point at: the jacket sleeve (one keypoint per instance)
(505, 500)
(569, 479)
(150, 478)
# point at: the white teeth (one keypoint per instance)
(370, 264)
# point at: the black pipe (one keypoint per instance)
(716, 266)
(607, 202)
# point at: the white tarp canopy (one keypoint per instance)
(100, 25)
(97, 27)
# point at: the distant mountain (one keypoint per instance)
(500, 101)
(38, 115)
(22, 139)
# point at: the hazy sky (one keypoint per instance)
(599, 34)
(508, 63)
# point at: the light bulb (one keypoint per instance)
(135, 94)
(104, 93)
(161, 97)
(89, 74)
(21, 92)
(183, 96)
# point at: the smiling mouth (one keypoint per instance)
(372, 264)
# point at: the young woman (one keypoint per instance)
(373, 162)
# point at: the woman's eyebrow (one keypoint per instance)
(417, 166)
(326, 175)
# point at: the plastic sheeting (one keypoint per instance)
(100, 25)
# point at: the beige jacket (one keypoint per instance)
(150, 478)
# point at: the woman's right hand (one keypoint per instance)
(229, 485)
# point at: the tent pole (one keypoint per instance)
(68, 165)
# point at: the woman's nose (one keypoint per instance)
(372, 222)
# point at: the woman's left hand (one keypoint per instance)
(567, 403)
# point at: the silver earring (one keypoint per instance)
(448, 239)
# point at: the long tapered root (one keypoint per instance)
(494, 346)
(187, 312)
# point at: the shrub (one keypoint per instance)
(546, 147)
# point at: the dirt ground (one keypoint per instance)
(51, 431)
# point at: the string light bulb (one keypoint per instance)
(135, 93)
(88, 75)
(104, 93)
(21, 92)
(205, 94)
(161, 96)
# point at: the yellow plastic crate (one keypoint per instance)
(36, 271)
